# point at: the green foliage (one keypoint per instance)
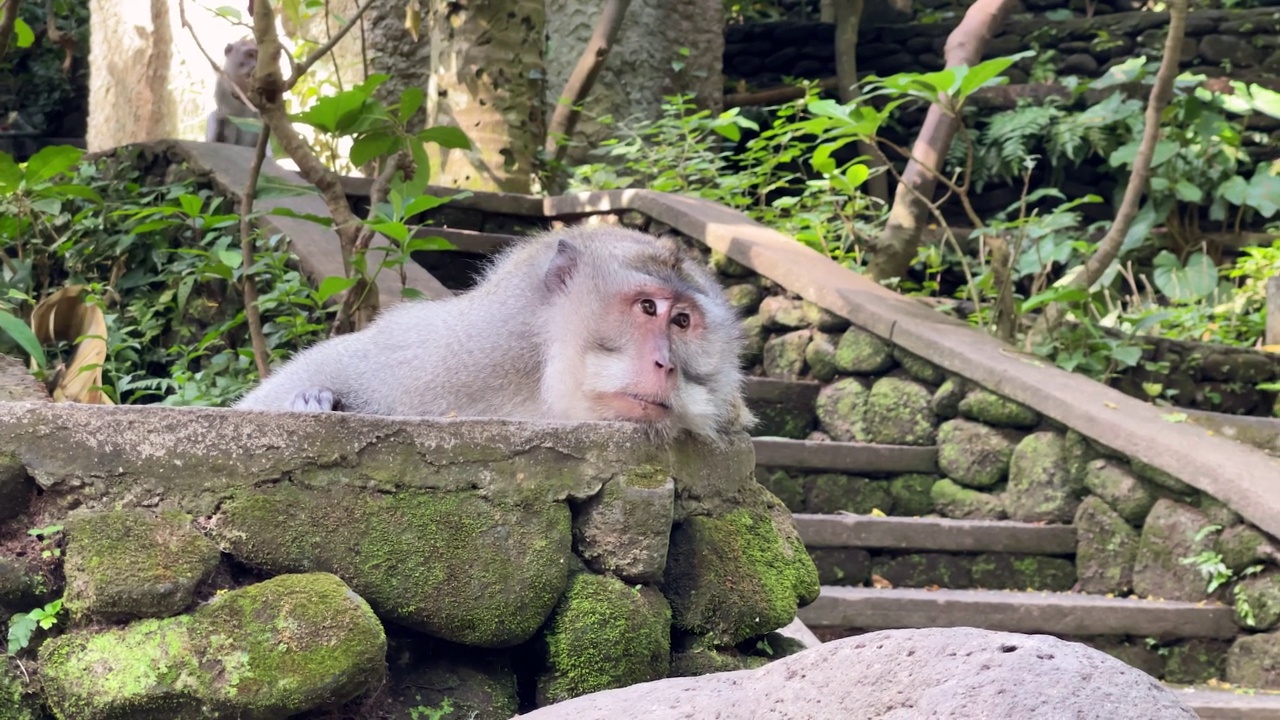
(33, 82)
(23, 626)
(47, 539)
(162, 260)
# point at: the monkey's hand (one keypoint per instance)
(314, 399)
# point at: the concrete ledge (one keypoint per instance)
(904, 533)
(1021, 612)
(1229, 704)
(316, 246)
(845, 457)
(794, 393)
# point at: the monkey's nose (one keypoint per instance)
(666, 367)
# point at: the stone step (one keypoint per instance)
(1214, 704)
(1069, 614)
(844, 457)
(942, 534)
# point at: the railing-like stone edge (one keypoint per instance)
(942, 534)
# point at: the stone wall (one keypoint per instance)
(268, 562)
(1246, 41)
(1136, 525)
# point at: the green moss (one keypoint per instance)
(127, 564)
(911, 494)
(649, 477)
(16, 702)
(957, 502)
(863, 353)
(452, 564)
(987, 407)
(736, 576)
(270, 650)
(605, 634)
(704, 661)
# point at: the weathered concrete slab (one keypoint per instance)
(1229, 704)
(845, 457)
(317, 247)
(1260, 432)
(909, 533)
(19, 385)
(801, 393)
(1024, 612)
(192, 457)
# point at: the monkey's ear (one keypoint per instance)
(227, 50)
(563, 264)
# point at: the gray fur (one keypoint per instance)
(239, 64)
(524, 343)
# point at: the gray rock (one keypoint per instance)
(820, 356)
(1040, 487)
(1105, 549)
(1173, 532)
(744, 297)
(1126, 494)
(1254, 661)
(784, 355)
(1244, 545)
(625, 529)
(973, 454)
(987, 407)
(899, 412)
(783, 313)
(919, 368)
(842, 405)
(863, 353)
(1257, 601)
(823, 319)
(946, 401)
(903, 675)
(16, 488)
(961, 503)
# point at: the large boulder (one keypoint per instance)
(902, 675)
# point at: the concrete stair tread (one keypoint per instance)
(848, 530)
(1212, 703)
(1035, 612)
(846, 457)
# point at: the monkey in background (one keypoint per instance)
(241, 57)
(582, 323)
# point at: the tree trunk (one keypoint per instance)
(848, 17)
(565, 115)
(892, 252)
(486, 79)
(645, 65)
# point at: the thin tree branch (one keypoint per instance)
(7, 21)
(249, 288)
(565, 117)
(1109, 247)
(301, 68)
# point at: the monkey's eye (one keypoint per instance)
(648, 307)
(681, 320)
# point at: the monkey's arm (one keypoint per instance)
(315, 380)
(212, 127)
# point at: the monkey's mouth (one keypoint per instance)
(635, 407)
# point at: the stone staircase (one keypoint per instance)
(882, 572)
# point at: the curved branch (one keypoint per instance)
(583, 77)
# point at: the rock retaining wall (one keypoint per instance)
(260, 564)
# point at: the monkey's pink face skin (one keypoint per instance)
(657, 320)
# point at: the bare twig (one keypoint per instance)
(358, 298)
(1109, 247)
(249, 290)
(583, 77)
(301, 68)
(7, 22)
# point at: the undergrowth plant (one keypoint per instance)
(160, 258)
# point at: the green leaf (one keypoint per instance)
(22, 32)
(1125, 72)
(394, 230)
(323, 220)
(10, 174)
(50, 161)
(1057, 293)
(729, 131)
(333, 285)
(231, 258)
(373, 145)
(191, 204)
(424, 203)
(446, 137)
(1265, 100)
(1127, 355)
(1185, 283)
(1187, 192)
(1164, 150)
(984, 72)
(427, 244)
(335, 113)
(410, 100)
(22, 334)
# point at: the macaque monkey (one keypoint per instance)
(241, 59)
(581, 323)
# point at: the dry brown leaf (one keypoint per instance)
(65, 317)
(881, 583)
